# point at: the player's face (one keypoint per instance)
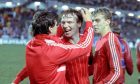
(70, 25)
(99, 23)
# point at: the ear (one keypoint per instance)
(50, 29)
(79, 24)
(55, 22)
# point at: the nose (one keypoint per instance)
(94, 23)
(65, 26)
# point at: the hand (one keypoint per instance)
(12, 83)
(86, 14)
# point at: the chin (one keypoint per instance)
(96, 31)
(68, 36)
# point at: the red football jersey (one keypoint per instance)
(127, 62)
(107, 62)
(47, 67)
(138, 56)
(59, 31)
(21, 75)
(128, 58)
(77, 69)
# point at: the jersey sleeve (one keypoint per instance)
(90, 70)
(90, 58)
(138, 57)
(128, 59)
(21, 76)
(63, 53)
(90, 64)
(114, 57)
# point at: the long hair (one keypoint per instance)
(42, 21)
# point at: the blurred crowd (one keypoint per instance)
(130, 27)
(133, 5)
(14, 22)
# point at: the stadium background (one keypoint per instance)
(16, 15)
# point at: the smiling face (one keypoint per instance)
(70, 25)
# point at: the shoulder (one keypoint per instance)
(112, 39)
(30, 41)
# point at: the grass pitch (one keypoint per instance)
(12, 59)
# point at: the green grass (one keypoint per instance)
(134, 78)
(12, 58)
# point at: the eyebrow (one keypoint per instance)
(96, 19)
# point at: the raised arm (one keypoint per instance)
(67, 52)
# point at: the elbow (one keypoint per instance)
(129, 70)
(138, 67)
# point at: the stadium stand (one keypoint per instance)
(15, 21)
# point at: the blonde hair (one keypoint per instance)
(104, 11)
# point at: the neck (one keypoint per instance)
(106, 30)
(75, 39)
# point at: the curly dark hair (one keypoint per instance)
(42, 21)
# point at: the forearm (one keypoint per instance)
(21, 76)
(128, 63)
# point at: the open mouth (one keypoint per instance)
(67, 31)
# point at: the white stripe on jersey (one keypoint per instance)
(61, 68)
(82, 45)
(115, 59)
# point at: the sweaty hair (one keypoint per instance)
(104, 11)
(74, 12)
(42, 21)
